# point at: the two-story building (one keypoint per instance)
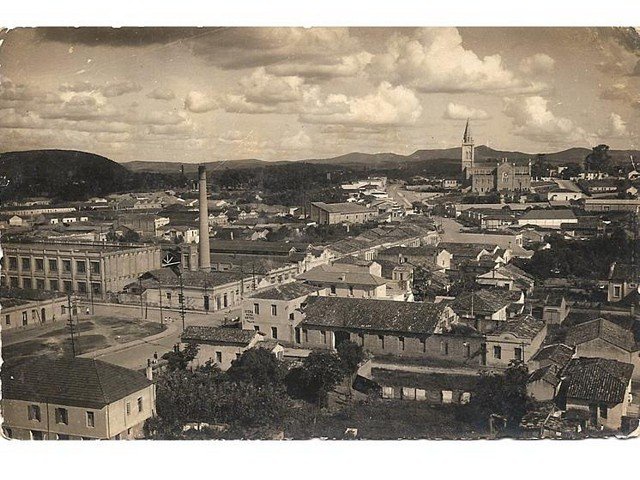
(75, 398)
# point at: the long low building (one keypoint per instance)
(611, 204)
(24, 308)
(347, 212)
(81, 268)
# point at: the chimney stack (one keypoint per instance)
(204, 257)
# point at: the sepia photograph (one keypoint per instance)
(337, 233)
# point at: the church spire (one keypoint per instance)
(467, 138)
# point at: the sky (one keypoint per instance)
(196, 95)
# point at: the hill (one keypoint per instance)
(192, 168)
(64, 175)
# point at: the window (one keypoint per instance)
(62, 436)
(13, 263)
(616, 291)
(423, 342)
(333, 289)
(53, 265)
(445, 348)
(225, 300)
(26, 263)
(33, 411)
(274, 310)
(36, 435)
(91, 419)
(68, 286)
(14, 281)
(24, 318)
(401, 342)
(351, 290)
(361, 337)
(95, 267)
(39, 264)
(467, 350)
(140, 404)
(53, 285)
(81, 266)
(256, 328)
(26, 283)
(291, 316)
(206, 302)
(128, 408)
(40, 283)
(381, 338)
(66, 266)
(62, 416)
(82, 287)
(603, 410)
(274, 332)
(218, 357)
(497, 352)
(7, 319)
(324, 336)
(256, 308)
(517, 353)
(297, 334)
(306, 334)
(96, 287)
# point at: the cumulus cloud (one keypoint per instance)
(388, 106)
(615, 127)
(198, 102)
(161, 94)
(538, 64)
(456, 111)
(261, 87)
(621, 92)
(346, 66)
(297, 141)
(108, 90)
(533, 119)
(435, 60)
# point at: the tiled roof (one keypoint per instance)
(198, 278)
(622, 272)
(78, 382)
(603, 329)
(522, 326)
(346, 207)
(287, 291)
(466, 249)
(548, 214)
(597, 379)
(423, 250)
(483, 302)
(337, 275)
(548, 373)
(371, 314)
(27, 294)
(217, 335)
(558, 354)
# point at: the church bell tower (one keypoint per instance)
(467, 150)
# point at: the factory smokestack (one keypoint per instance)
(204, 261)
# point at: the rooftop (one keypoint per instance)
(27, 294)
(523, 326)
(597, 379)
(603, 329)
(217, 335)
(200, 279)
(336, 274)
(558, 354)
(345, 207)
(287, 291)
(77, 382)
(482, 302)
(548, 214)
(371, 314)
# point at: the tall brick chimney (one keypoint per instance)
(204, 255)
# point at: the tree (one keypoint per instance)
(257, 366)
(540, 167)
(500, 394)
(179, 359)
(599, 159)
(321, 373)
(351, 356)
(571, 170)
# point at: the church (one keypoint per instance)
(486, 176)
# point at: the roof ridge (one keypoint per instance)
(102, 393)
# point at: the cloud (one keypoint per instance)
(538, 64)
(388, 106)
(299, 141)
(161, 94)
(533, 120)
(261, 87)
(456, 111)
(615, 127)
(346, 66)
(435, 60)
(108, 90)
(621, 92)
(118, 37)
(198, 102)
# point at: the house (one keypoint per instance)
(542, 384)
(26, 307)
(507, 276)
(221, 345)
(199, 290)
(547, 218)
(276, 311)
(554, 309)
(518, 338)
(602, 338)
(384, 328)
(623, 281)
(347, 212)
(598, 390)
(345, 280)
(180, 233)
(604, 205)
(558, 194)
(482, 309)
(75, 398)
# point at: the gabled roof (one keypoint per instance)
(548, 373)
(287, 291)
(523, 326)
(338, 275)
(603, 329)
(217, 335)
(548, 214)
(76, 382)
(345, 207)
(482, 302)
(559, 354)
(371, 314)
(597, 379)
(200, 279)
(466, 249)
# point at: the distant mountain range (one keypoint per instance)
(387, 160)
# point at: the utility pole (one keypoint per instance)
(160, 293)
(181, 298)
(73, 342)
(141, 305)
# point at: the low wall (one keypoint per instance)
(152, 314)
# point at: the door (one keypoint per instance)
(43, 315)
(341, 337)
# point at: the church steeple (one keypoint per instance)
(467, 137)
